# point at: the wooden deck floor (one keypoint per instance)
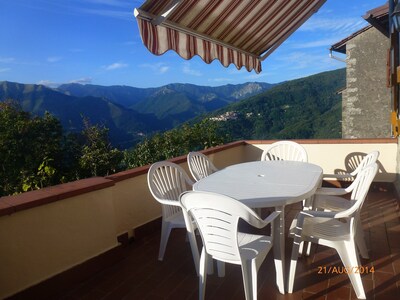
(139, 275)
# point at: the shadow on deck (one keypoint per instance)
(139, 275)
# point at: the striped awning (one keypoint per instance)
(242, 32)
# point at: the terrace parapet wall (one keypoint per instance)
(49, 231)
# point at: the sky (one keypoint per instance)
(52, 42)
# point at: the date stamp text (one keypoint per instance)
(345, 270)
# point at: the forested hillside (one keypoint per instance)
(40, 153)
(130, 113)
(299, 109)
(126, 125)
(303, 108)
(172, 104)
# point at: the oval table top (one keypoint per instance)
(264, 183)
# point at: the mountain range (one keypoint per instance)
(128, 112)
(305, 108)
(172, 103)
(308, 107)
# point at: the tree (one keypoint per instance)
(98, 157)
(30, 149)
(35, 153)
(175, 142)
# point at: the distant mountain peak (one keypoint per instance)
(248, 89)
(164, 90)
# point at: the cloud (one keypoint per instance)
(119, 9)
(158, 68)
(53, 59)
(4, 70)
(186, 69)
(83, 80)
(7, 60)
(326, 42)
(115, 66)
(114, 3)
(130, 43)
(256, 76)
(117, 14)
(48, 83)
(299, 60)
(343, 26)
(163, 69)
(220, 79)
(307, 61)
(52, 84)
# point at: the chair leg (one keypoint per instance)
(195, 250)
(293, 263)
(360, 241)
(210, 266)
(348, 254)
(203, 273)
(249, 273)
(165, 232)
(221, 268)
(301, 248)
(308, 251)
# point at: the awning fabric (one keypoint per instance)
(242, 32)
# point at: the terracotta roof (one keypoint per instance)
(378, 12)
(378, 17)
(233, 31)
(341, 45)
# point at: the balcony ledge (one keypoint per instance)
(15, 203)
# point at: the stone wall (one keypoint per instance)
(366, 99)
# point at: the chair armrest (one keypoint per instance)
(169, 202)
(337, 176)
(317, 214)
(331, 191)
(259, 223)
(271, 217)
(331, 203)
(313, 214)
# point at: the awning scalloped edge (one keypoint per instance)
(160, 39)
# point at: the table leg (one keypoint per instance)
(279, 248)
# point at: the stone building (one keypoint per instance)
(366, 99)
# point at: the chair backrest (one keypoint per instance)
(285, 150)
(360, 190)
(199, 165)
(367, 160)
(217, 217)
(166, 182)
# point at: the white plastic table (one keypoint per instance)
(267, 184)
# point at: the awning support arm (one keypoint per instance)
(168, 10)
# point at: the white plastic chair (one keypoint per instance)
(328, 199)
(166, 182)
(347, 176)
(217, 217)
(334, 229)
(199, 165)
(285, 150)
